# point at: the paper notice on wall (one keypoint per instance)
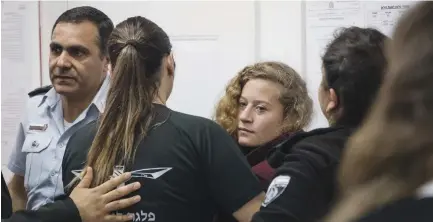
(324, 18)
(20, 68)
(385, 15)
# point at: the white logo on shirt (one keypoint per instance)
(150, 173)
(277, 187)
(142, 216)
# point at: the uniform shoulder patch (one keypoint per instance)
(39, 91)
(277, 187)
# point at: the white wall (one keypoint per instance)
(247, 32)
(278, 28)
(280, 32)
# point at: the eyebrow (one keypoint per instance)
(54, 44)
(255, 101)
(73, 47)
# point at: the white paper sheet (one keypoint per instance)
(20, 69)
(384, 15)
(324, 18)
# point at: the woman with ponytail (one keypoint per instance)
(189, 167)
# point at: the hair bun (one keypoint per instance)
(132, 42)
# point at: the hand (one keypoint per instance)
(96, 204)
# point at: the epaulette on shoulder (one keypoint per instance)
(40, 90)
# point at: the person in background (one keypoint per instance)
(304, 188)
(187, 165)
(387, 170)
(78, 65)
(84, 204)
(263, 106)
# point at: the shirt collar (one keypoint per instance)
(101, 96)
(52, 97)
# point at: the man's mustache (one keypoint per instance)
(63, 73)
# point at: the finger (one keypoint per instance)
(113, 183)
(87, 179)
(118, 218)
(121, 191)
(122, 204)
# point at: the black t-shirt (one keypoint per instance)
(189, 167)
(303, 187)
(406, 210)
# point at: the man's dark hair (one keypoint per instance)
(354, 64)
(86, 13)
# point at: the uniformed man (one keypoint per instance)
(78, 64)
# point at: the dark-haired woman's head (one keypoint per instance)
(144, 49)
(353, 67)
(391, 156)
(143, 74)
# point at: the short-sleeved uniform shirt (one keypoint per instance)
(189, 167)
(41, 143)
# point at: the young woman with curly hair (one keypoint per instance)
(262, 105)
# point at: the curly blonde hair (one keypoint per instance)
(294, 98)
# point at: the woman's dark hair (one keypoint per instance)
(354, 65)
(391, 156)
(136, 48)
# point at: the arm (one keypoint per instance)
(35, 216)
(84, 204)
(17, 192)
(246, 212)
(65, 209)
(299, 189)
(17, 164)
(229, 177)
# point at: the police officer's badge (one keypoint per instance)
(276, 188)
